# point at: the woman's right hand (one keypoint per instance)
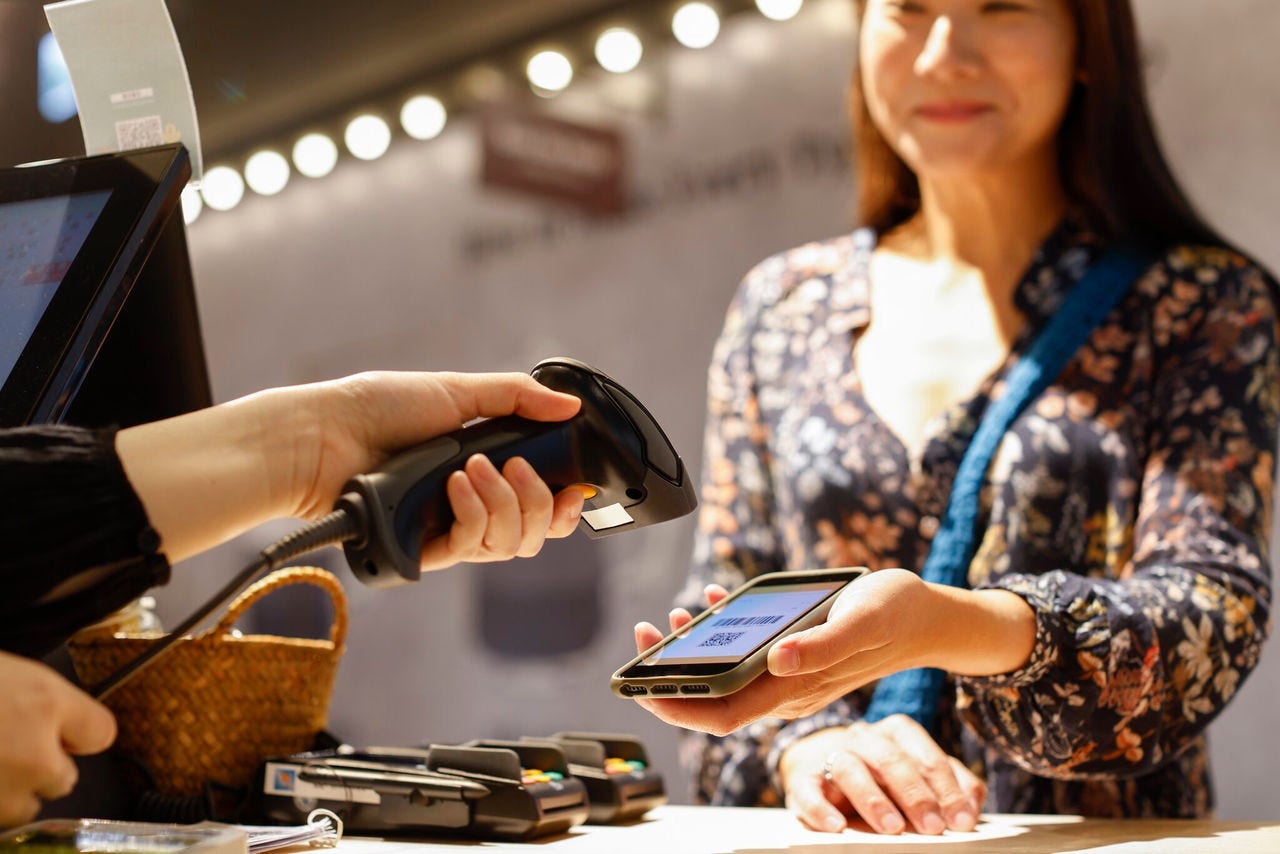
(44, 720)
(880, 771)
(891, 774)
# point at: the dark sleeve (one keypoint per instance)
(1127, 672)
(68, 511)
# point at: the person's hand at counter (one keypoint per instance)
(891, 773)
(44, 720)
(206, 476)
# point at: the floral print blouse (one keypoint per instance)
(1129, 505)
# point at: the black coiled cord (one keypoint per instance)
(339, 526)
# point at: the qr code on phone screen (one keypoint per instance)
(722, 639)
(139, 133)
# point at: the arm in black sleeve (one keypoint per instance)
(76, 543)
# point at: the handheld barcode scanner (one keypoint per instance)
(613, 449)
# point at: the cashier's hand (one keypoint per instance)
(877, 626)
(210, 475)
(499, 514)
(43, 720)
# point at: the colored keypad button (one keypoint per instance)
(618, 765)
(529, 776)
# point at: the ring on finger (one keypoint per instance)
(829, 764)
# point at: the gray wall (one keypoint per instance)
(403, 263)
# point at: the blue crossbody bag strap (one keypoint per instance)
(916, 692)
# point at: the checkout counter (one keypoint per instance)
(732, 830)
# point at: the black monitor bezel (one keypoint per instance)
(146, 189)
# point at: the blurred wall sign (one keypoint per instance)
(554, 159)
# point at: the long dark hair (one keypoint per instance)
(1110, 162)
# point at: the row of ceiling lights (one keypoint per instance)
(423, 117)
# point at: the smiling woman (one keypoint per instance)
(980, 89)
(1120, 589)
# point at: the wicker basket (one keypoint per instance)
(217, 704)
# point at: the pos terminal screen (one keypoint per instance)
(39, 240)
(745, 624)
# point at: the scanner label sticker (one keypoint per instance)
(607, 517)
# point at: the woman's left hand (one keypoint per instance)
(891, 774)
(879, 625)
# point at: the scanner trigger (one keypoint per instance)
(588, 491)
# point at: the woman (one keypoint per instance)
(98, 517)
(1120, 590)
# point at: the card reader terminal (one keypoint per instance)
(621, 783)
(470, 790)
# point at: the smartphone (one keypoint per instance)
(727, 646)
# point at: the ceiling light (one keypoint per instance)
(367, 137)
(779, 10)
(618, 50)
(315, 155)
(266, 173)
(222, 188)
(483, 83)
(549, 70)
(191, 204)
(695, 25)
(423, 117)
